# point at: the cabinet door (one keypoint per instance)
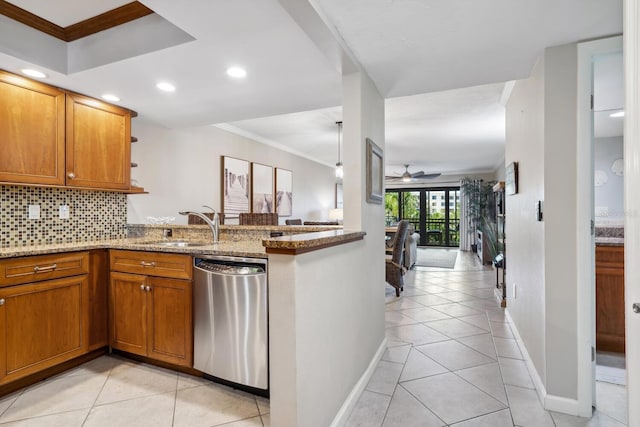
(170, 321)
(98, 145)
(42, 324)
(98, 299)
(610, 322)
(32, 131)
(127, 312)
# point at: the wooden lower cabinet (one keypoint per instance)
(42, 325)
(610, 322)
(152, 317)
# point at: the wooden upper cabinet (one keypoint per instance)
(32, 131)
(98, 144)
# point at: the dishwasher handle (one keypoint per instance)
(229, 269)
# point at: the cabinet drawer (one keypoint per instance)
(30, 269)
(159, 264)
(610, 257)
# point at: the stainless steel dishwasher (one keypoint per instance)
(230, 321)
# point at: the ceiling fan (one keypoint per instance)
(410, 177)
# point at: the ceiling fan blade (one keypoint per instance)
(392, 177)
(417, 174)
(428, 176)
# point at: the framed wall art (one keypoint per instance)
(284, 192)
(374, 173)
(235, 186)
(261, 188)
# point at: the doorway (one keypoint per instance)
(434, 213)
(600, 95)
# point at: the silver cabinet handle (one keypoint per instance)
(71, 175)
(1, 301)
(147, 264)
(636, 307)
(142, 287)
(148, 288)
(38, 269)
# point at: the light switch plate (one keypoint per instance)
(63, 212)
(34, 211)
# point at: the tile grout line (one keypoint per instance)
(504, 386)
(99, 393)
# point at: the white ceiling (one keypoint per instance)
(417, 46)
(408, 47)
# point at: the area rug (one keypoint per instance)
(436, 257)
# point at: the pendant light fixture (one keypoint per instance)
(339, 170)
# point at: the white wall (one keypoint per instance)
(560, 188)
(320, 331)
(542, 256)
(525, 236)
(327, 328)
(180, 168)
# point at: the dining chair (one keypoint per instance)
(258, 219)
(394, 265)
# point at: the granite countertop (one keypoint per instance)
(610, 235)
(291, 244)
(250, 249)
(231, 227)
(301, 243)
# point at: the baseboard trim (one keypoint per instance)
(351, 400)
(561, 404)
(549, 402)
(533, 372)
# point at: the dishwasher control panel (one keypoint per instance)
(215, 266)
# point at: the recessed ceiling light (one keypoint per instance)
(236, 72)
(110, 97)
(618, 114)
(33, 73)
(167, 87)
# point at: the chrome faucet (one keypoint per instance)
(214, 225)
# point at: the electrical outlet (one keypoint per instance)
(63, 212)
(34, 211)
(514, 291)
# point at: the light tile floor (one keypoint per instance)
(452, 360)
(113, 391)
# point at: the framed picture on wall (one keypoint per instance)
(235, 186)
(284, 192)
(511, 179)
(261, 188)
(374, 173)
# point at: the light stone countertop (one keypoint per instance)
(250, 249)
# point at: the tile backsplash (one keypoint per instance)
(93, 215)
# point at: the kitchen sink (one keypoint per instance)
(173, 243)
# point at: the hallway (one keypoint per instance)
(452, 359)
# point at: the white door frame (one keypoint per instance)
(632, 204)
(585, 241)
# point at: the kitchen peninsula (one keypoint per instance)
(78, 272)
